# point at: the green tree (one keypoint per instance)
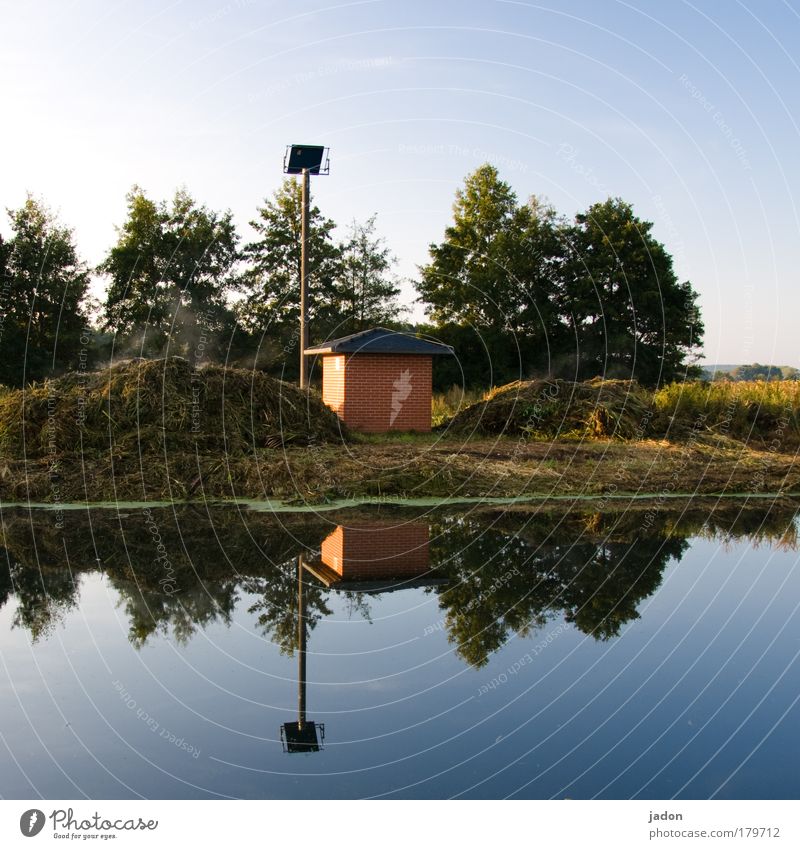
(366, 291)
(467, 280)
(170, 272)
(43, 297)
(271, 309)
(757, 371)
(628, 314)
(496, 273)
(7, 327)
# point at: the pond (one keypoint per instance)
(390, 652)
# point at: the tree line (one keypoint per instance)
(516, 288)
(545, 295)
(756, 371)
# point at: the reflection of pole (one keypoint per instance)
(304, 228)
(301, 646)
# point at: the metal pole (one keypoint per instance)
(304, 280)
(301, 647)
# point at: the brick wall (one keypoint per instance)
(377, 551)
(379, 392)
(333, 382)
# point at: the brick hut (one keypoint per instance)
(379, 380)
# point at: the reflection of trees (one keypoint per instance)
(503, 584)
(487, 582)
(6, 584)
(603, 584)
(357, 604)
(509, 573)
(277, 607)
(513, 572)
(44, 595)
(209, 558)
(182, 612)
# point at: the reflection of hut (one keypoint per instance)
(371, 558)
(375, 557)
(379, 380)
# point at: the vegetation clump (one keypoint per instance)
(143, 407)
(550, 409)
(765, 414)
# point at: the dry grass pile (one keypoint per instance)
(148, 406)
(550, 409)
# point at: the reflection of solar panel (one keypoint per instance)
(302, 738)
(301, 156)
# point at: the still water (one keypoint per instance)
(223, 652)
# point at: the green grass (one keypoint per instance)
(739, 409)
(766, 413)
(392, 437)
(444, 405)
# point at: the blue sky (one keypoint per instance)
(687, 110)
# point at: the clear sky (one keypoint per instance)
(687, 110)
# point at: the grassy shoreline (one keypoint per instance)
(161, 430)
(419, 467)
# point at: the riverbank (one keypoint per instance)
(418, 467)
(162, 430)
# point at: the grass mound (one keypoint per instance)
(550, 409)
(764, 415)
(147, 406)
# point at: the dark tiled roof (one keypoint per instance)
(379, 340)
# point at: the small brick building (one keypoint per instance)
(379, 380)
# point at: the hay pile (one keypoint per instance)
(148, 406)
(550, 409)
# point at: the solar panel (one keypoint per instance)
(301, 156)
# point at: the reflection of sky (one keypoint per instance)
(685, 111)
(399, 707)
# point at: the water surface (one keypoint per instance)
(483, 652)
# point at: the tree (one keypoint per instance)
(8, 330)
(467, 280)
(271, 308)
(366, 293)
(757, 371)
(42, 305)
(628, 314)
(496, 273)
(533, 294)
(171, 271)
